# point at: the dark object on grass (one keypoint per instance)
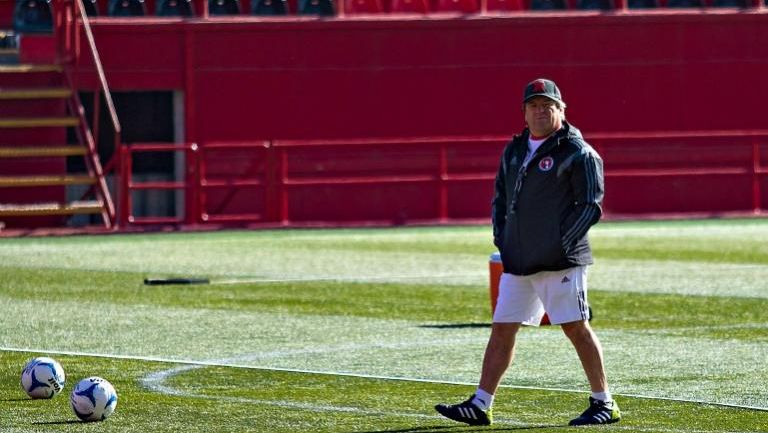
(171, 281)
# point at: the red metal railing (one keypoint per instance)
(272, 174)
(127, 183)
(438, 175)
(70, 15)
(749, 166)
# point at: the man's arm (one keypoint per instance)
(588, 188)
(499, 203)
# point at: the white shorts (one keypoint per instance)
(561, 294)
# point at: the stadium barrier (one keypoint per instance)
(440, 179)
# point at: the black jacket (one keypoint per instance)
(541, 215)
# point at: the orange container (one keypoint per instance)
(495, 270)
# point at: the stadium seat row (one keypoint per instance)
(473, 6)
(36, 15)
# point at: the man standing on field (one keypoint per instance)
(548, 193)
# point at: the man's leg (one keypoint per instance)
(602, 409)
(498, 355)
(517, 303)
(590, 353)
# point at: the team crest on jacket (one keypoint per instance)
(546, 163)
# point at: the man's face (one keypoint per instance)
(542, 115)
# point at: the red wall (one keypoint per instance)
(249, 79)
(282, 79)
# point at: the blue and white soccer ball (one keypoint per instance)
(42, 377)
(93, 399)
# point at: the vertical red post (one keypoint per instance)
(202, 8)
(76, 41)
(96, 115)
(194, 198)
(60, 29)
(192, 190)
(123, 184)
(282, 169)
(442, 180)
(190, 109)
(272, 195)
(756, 173)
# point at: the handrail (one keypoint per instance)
(99, 68)
(67, 14)
(117, 128)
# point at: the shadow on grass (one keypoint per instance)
(457, 325)
(460, 428)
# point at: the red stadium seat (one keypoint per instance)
(409, 6)
(463, 6)
(363, 7)
(505, 5)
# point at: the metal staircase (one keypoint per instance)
(37, 108)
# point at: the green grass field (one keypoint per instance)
(365, 330)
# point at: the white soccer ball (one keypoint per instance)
(42, 378)
(93, 399)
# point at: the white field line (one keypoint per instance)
(154, 380)
(161, 376)
(698, 328)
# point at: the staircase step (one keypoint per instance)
(9, 55)
(40, 209)
(37, 122)
(36, 93)
(24, 181)
(23, 68)
(30, 152)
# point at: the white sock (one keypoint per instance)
(482, 399)
(603, 396)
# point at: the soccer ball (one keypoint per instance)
(42, 378)
(93, 399)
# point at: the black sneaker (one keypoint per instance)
(466, 412)
(598, 412)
